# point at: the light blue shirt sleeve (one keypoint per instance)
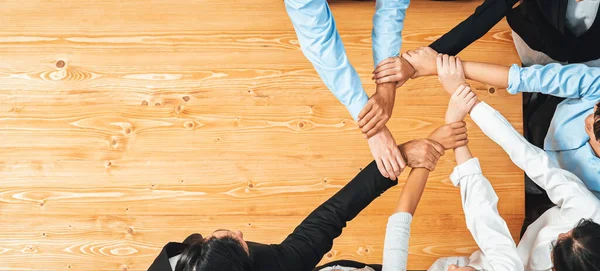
(321, 44)
(568, 81)
(388, 23)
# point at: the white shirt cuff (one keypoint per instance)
(470, 167)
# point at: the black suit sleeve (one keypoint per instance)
(486, 16)
(304, 248)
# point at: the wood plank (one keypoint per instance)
(128, 124)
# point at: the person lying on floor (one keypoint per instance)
(573, 139)
(567, 236)
(498, 251)
(304, 248)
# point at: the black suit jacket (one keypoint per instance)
(304, 248)
(540, 23)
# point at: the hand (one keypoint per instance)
(423, 61)
(377, 112)
(451, 136)
(461, 103)
(387, 155)
(422, 153)
(450, 72)
(393, 69)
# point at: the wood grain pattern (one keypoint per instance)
(129, 124)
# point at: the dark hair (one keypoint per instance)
(597, 122)
(580, 250)
(210, 254)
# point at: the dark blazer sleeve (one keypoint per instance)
(304, 248)
(486, 16)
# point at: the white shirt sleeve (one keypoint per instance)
(563, 187)
(489, 230)
(395, 247)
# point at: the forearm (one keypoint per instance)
(462, 154)
(474, 27)
(314, 236)
(487, 227)
(487, 73)
(412, 191)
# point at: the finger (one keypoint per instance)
(459, 131)
(445, 60)
(385, 73)
(458, 124)
(384, 67)
(460, 137)
(390, 78)
(461, 143)
(376, 129)
(438, 62)
(385, 61)
(400, 160)
(395, 166)
(371, 124)
(459, 91)
(381, 168)
(389, 169)
(438, 147)
(470, 96)
(452, 63)
(465, 92)
(365, 110)
(406, 56)
(459, 66)
(471, 103)
(364, 120)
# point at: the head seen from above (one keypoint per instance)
(222, 250)
(578, 249)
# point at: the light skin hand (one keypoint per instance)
(450, 72)
(422, 153)
(393, 70)
(461, 103)
(451, 135)
(387, 154)
(423, 60)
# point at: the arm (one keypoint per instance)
(564, 189)
(386, 36)
(397, 234)
(479, 202)
(479, 199)
(304, 248)
(569, 81)
(471, 29)
(321, 44)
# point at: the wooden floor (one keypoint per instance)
(128, 124)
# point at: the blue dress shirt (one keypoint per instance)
(322, 45)
(566, 142)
